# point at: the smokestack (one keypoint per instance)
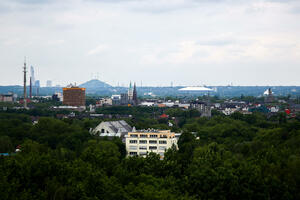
(30, 89)
(25, 93)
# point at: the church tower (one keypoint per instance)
(130, 92)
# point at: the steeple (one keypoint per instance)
(134, 98)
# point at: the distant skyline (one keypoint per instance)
(156, 42)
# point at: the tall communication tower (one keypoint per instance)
(25, 93)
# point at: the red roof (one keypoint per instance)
(287, 111)
(164, 116)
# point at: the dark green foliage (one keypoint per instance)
(236, 157)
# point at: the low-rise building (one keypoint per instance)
(104, 102)
(112, 129)
(7, 97)
(141, 142)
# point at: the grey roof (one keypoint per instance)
(119, 126)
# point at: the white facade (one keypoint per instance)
(103, 102)
(144, 141)
(7, 98)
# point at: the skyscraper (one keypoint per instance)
(37, 83)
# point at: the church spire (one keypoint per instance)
(134, 98)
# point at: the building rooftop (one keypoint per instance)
(119, 126)
(151, 130)
(193, 88)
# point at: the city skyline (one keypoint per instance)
(187, 42)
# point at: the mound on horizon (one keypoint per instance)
(95, 83)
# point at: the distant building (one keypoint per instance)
(130, 92)
(203, 107)
(124, 99)
(141, 142)
(7, 98)
(269, 98)
(55, 97)
(112, 129)
(116, 99)
(74, 96)
(104, 102)
(37, 83)
(49, 83)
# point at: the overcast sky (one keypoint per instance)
(156, 42)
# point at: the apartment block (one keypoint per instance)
(141, 142)
(74, 96)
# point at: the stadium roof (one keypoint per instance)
(202, 89)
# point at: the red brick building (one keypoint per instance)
(74, 96)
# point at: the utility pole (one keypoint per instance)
(25, 93)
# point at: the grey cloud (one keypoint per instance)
(33, 1)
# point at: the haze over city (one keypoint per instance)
(187, 42)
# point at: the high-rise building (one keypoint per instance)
(74, 96)
(49, 83)
(37, 83)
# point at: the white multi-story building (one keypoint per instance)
(142, 142)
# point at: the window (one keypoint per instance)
(102, 130)
(152, 142)
(133, 147)
(163, 142)
(143, 136)
(132, 141)
(163, 136)
(143, 141)
(161, 153)
(143, 147)
(134, 135)
(162, 148)
(132, 153)
(143, 153)
(153, 136)
(153, 147)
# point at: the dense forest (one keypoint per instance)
(224, 157)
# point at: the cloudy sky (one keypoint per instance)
(156, 42)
